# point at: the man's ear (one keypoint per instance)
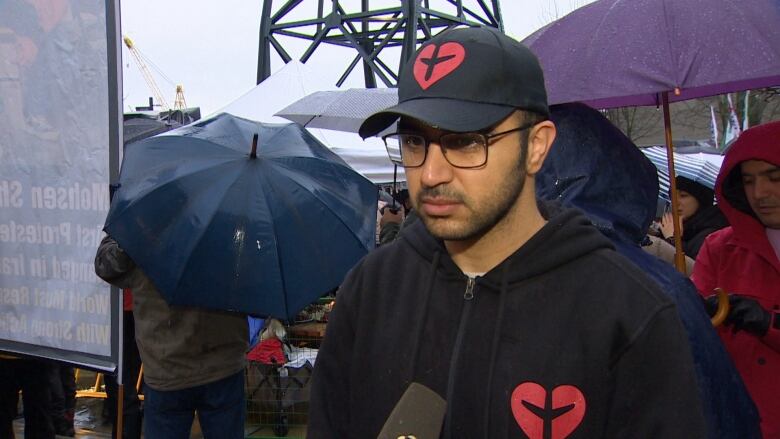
(540, 139)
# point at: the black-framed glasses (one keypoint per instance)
(461, 150)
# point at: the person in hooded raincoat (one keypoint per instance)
(744, 260)
(593, 166)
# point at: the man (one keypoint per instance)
(393, 220)
(527, 323)
(193, 359)
(593, 166)
(744, 260)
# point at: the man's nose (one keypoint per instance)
(436, 169)
(761, 188)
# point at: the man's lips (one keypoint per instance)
(439, 206)
(767, 209)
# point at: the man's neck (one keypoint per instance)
(774, 240)
(515, 229)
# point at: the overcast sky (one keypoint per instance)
(210, 47)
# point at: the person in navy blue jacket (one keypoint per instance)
(593, 166)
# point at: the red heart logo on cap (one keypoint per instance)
(533, 412)
(435, 62)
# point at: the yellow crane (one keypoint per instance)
(179, 104)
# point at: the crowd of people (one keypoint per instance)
(513, 280)
(531, 302)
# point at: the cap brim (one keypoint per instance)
(442, 113)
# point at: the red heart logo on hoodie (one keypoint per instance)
(435, 62)
(561, 414)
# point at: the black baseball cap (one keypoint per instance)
(465, 79)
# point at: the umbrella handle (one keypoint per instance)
(723, 307)
(679, 255)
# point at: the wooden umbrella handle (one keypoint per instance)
(723, 307)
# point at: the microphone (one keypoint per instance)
(417, 415)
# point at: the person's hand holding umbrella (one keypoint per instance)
(744, 314)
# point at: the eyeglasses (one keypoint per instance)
(461, 150)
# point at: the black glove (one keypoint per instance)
(748, 315)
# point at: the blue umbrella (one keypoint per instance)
(691, 166)
(264, 232)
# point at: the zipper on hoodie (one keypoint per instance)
(468, 297)
(469, 294)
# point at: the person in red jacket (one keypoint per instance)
(744, 260)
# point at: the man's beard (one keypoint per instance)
(486, 213)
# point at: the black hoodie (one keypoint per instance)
(564, 322)
(706, 220)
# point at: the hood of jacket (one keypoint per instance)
(567, 235)
(761, 142)
(706, 219)
(593, 166)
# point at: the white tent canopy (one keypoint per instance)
(291, 83)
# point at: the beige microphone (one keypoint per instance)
(417, 415)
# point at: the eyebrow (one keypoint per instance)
(762, 173)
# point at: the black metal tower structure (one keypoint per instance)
(368, 31)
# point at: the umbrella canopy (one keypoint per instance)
(696, 167)
(341, 110)
(216, 227)
(370, 161)
(615, 53)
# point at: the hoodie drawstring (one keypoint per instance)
(494, 349)
(422, 318)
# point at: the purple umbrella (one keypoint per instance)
(616, 53)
